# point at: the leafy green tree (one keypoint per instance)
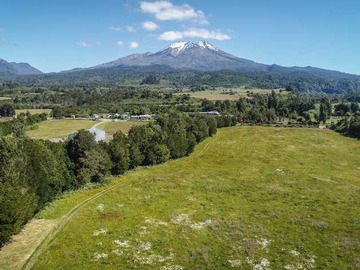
(43, 171)
(212, 124)
(157, 153)
(64, 165)
(342, 108)
(94, 166)
(18, 200)
(354, 107)
(354, 127)
(7, 110)
(199, 128)
(136, 157)
(79, 150)
(119, 153)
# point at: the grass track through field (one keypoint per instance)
(248, 195)
(63, 222)
(216, 137)
(68, 217)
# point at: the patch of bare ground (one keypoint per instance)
(14, 254)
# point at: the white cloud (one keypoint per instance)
(119, 43)
(133, 45)
(130, 29)
(2, 30)
(150, 26)
(193, 33)
(115, 28)
(86, 44)
(171, 35)
(166, 11)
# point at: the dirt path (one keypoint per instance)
(14, 254)
(214, 139)
(63, 222)
(102, 120)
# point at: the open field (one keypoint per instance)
(34, 111)
(124, 126)
(217, 95)
(5, 98)
(58, 128)
(248, 198)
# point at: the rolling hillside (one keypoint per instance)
(249, 198)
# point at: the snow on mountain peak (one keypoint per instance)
(206, 45)
(178, 47)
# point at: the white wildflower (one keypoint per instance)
(100, 207)
(262, 265)
(264, 243)
(155, 222)
(234, 263)
(122, 243)
(143, 231)
(118, 252)
(100, 231)
(310, 262)
(98, 256)
(182, 219)
(294, 253)
(144, 246)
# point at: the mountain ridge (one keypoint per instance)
(203, 56)
(17, 68)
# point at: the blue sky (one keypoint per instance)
(55, 35)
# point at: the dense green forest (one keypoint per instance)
(315, 80)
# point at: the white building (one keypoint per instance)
(99, 134)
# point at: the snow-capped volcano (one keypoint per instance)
(179, 47)
(187, 55)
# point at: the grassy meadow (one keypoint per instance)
(248, 198)
(58, 128)
(34, 111)
(217, 95)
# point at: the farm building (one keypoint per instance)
(216, 113)
(98, 133)
(124, 116)
(94, 116)
(142, 117)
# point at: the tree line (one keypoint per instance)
(48, 169)
(17, 126)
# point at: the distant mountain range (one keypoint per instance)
(190, 64)
(17, 68)
(203, 56)
(200, 56)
